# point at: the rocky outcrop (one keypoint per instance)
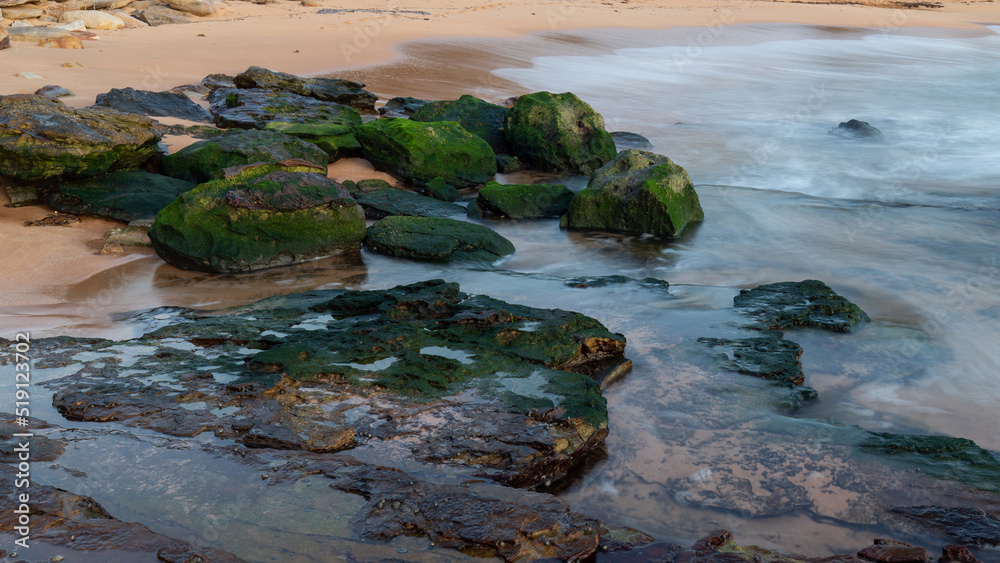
(255, 108)
(401, 106)
(420, 152)
(436, 239)
(481, 118)
(257, 217)
(637, 192)
(809, 303)
(123, 196)
(337, 141)
(558, 133)
(201, 161)
(156, 104)
(344, 92)
(43, 138)
(520, 201)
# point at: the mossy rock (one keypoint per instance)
(345, 92)
(401, 106)
(438, 188)
(255, 108)
(201, 161)
(420, 152)
(336, 140)
(43, 138)
(519, 201)
(478, 117)
(123, 196)
(558, 133)
(260, 217)
(390, 201)
(809, 303)
(436, 239)
(945, 457)
(637, 192)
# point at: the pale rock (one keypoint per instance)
(193, 7)
(75, 25)
(92, 19)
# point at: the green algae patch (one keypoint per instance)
(945, 457)
(335, 139)
(520, 201)
(436, 239)
(201, 161)
(479, 117)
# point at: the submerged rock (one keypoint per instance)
(258, 217)
(420, 152)
(41, 138)
(436, 239)
(344, 92)
(559, 133)
(637, 192)
(165, 104)
(123, 196)
(809, 303)
(388, 201)
(855, 129)
(766, 357)
(519, 201)
(255, 108)
(966, 526)
(481, 118)
(945, 457)
(468, 381)
(201, 161)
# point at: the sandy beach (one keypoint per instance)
(41, 262)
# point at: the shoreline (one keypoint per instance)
(352, 42)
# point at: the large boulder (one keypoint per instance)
(92, 19)
(158, 104)
(478, 117)
(520, 201)
(436, 239)
(255, 108)
(124, 196)
(558, 133)
(42, 138)
(193, 7)
(420, 152)
(637, 192)
(257, 217)
(345, 92)
(201, 161)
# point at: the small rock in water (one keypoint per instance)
(858, 130)
(27, 75)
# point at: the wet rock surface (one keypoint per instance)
(41, 138)
(481, 118)
(436, 239)
(201, 161)
(945, 457)
(123, 196)
(520, 201)
(401, 106)
(157, 104)
(255, 108)
(855, 129)
(766, 357)
(809, 303)
(964, 525)
(384, 202)
(344, 92)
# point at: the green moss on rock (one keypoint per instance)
(946, 457)
(123, 196)
(436, 239)
(809, 303)
(519, 201)
(336, 140)
(481, 118)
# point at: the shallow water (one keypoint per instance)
(907, 228)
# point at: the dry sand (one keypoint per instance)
(40, 265)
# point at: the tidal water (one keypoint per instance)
(908, 228)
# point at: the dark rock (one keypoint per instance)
(440, 189)
(963, 525)
(372, 185)
(41, 448)
(80, 523)
(507, 164)
(161, 15)
(855, 129)
(808, 303)
(766, 357)
(344, 92)
(481, 118)
(559, 133)
(956, 554)
(255, 108)
(338, 141)
(257, 217)
(625, 140)
(53, 92)
(436, 239)
(41, 138)
(637, 192)
(215, 81)
(388, 201)
(323, 370)
(123, 196)
(401, 106)
(945, 457)
(201, 161)
(420, 152)
(519, 201)
(158, 104)
(719, 547)
(890, 551)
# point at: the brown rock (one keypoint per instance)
(957, 554)
(4, 39)
(26, 12)
(71, 42)
(193, 7)
(891, 551)
(72, 65)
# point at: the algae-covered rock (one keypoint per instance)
(124, 196)
(518, 201)
(637, 192)
(255, 108)
(201, 161)
(346, 92)
(420, 152)
(856, 129)
(166, 104)
(945, 457)
(558, 132)
(436, 239)
(42, 138)
(258, 217)
(967, 526)
(438, 188)
(809, 303)
(388, 201)
(767, 357)
(476, 116)
(336, 140)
